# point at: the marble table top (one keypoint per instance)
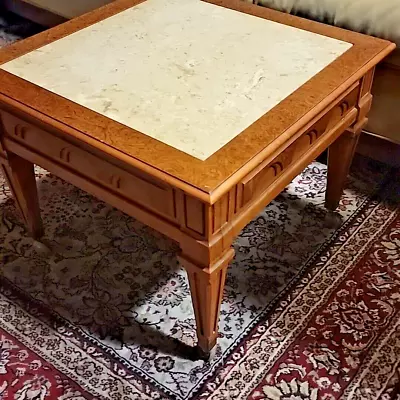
(190, 74)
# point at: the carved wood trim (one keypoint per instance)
(195, 215)
(192, 214)
(115, 181)
(357, 127)
(207, 288)
(344, 107)
(266, 174)
(233, 206)
(220, 212)
(147, 192)
(364, 105)
(366, 82)
(20, 131)
(312, 135)
(227, 206)
(65, 154)
(268, 171)
(203, 220)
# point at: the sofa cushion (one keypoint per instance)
(68, 8)
(374, 17)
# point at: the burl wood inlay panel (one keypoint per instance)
(205, 221)
(170, 94)
(175, 166)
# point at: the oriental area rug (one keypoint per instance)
(310, 311)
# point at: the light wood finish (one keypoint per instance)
(156, 196)
(202, 205)
(340, 156)
(20, 177)
(207, 287)
(341, 152)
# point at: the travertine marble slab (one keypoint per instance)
(190, 74)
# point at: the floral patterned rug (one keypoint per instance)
(309, 312)
(13, 27)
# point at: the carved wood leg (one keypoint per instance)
(340, 156)
(207, 286)
(341, 152)
(20, 176)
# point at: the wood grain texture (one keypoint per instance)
(341, 152)
(207, 287)
(259, 201)
(202, 205)
(367, 81)
(340, 156)
(151, 194)
(235, 159)
(20, 177)
(267, 172)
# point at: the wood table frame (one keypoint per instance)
(202, 205)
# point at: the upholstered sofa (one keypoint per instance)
(64, 9)
(379, 18)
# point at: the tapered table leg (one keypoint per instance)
(341, 152)
(207, 287)
(340, 156)
(20, 176)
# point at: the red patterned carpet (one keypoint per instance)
(333, 332)
(350, 345)
(309, 312)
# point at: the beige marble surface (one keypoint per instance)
(190, 74)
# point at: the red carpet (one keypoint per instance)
(333, 333)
